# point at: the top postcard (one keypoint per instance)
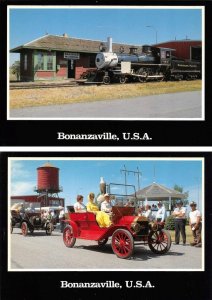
(106, 63)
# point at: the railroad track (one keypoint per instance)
(41, 86)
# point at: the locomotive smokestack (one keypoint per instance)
(109, 45)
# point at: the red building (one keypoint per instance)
(43, 200)
(185, 49)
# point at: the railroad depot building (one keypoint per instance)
(54, 57)
(60, 57)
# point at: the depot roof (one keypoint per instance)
(65, 43)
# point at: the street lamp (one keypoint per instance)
(156, 38)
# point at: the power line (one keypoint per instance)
(127, 172)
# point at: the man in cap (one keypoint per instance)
(106, 205)
(179, 214)
(161, 213)
(196, 225)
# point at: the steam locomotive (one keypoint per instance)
(153, 63)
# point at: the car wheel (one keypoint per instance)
(122, 243)
(24, 228)
(159, 241)
(49, 229)
(68, 237)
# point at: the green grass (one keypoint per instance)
(189, 237)
(67, 95)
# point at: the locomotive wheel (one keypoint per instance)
(68, 238)
(122, 79)
(143, 72)
(24, 228)
(102, 242)
(106, 80)
(159, 241)
(122, 243)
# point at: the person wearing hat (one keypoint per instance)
(196, 225)
(79, 207)
(179, 214)
(106, 205)
(161, 213)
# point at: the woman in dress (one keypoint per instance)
(102, 218)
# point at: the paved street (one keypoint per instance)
(176, 105)
(39, 251)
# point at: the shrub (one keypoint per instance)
(169, 223)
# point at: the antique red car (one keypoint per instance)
(127, 231)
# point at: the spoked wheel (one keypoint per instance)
(122, 79)
(122, 243)
(106, 80)
(68, 238)
(24, 228)
(102, 242)
(49, 229)
(144, 74)
(159, 241)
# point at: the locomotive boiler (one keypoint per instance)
(153, 63)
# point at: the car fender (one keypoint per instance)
(74, 226)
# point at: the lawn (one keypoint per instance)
(20, 98)
(189, 237)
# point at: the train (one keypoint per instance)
(153, 63)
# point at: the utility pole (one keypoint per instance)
(127, 172)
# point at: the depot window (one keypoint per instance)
(40, 58)
(44, 61)
(49, 61)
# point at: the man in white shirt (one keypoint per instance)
(106, 205)
(196, 225)
(161, 213)
(148, 213)
(179, 222)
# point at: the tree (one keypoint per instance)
(180, 189)
(15, 69)
(173, 202)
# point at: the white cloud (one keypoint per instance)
(22, 188)
(18, 170)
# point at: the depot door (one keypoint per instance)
(71, 68)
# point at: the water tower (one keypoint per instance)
(48, 183)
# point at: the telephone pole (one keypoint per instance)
(127, 172)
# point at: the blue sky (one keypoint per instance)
(123, 25)
(83, 176)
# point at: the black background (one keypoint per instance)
(168, 285)
(44, 133)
